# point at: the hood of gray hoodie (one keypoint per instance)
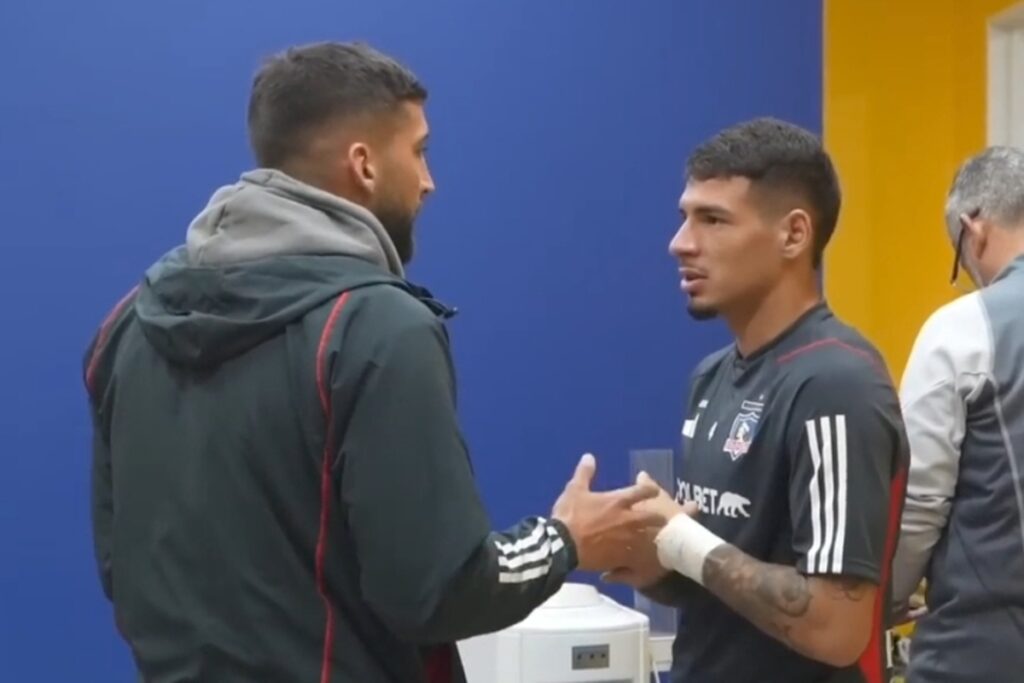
(263, 253)
(268, 213)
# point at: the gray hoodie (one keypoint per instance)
(263, 253)
(268, 213)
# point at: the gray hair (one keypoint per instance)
(992, 184)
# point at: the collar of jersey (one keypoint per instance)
(745, 361)
(1014, 267)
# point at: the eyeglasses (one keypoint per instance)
(965, 220)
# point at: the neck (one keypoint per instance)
(1009, 248)
(772, 314)
(314, 175)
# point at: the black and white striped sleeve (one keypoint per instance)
(529, 555)
(844, 446)
(508, 577)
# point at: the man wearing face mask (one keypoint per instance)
(963, 403)
(280, 488)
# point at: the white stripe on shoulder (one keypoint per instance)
(841, 473)
(829, 477)
(815, 497)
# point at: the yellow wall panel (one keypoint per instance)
(904, 103)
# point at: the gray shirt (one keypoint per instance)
(962, 397)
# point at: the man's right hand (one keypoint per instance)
(642, 569)
(605, 526)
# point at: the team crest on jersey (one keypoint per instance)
(741, 435)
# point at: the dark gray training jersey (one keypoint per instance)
(797, 455)
(963, 527)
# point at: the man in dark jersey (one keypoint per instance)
(794, 452)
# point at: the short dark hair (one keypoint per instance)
(775, 155)
(304, 87)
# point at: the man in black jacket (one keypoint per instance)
(280, 488)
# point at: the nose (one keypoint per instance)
(426, 183)
(682, 243)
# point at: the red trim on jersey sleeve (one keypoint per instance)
(872, 662)
(830, 341)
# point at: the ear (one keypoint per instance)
(363, 167)
(796, 234)
(977, 234)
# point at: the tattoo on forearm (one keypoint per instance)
(844, 588)
(772, 597)
(766, 594)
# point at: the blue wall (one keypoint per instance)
(560, 130)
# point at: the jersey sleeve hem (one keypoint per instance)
(851, 568)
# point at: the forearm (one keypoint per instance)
(824, 618)
(463, 592)
(924, 518)
(674, 590)
(793, 608)
(910, 562)
(933, 395)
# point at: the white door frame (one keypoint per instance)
(1006, 77)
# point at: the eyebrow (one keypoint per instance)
(706, 209)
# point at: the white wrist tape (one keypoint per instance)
(683, 544)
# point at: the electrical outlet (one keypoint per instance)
(590, 657)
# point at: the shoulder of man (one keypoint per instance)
(955, 342)
(959, 323)
(100, 350)
(838, 354)
(394, 306)
(380, 323)
(710, 362)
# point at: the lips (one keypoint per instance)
(691, 287)
(690, 279)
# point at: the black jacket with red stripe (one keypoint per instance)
(281, 492)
